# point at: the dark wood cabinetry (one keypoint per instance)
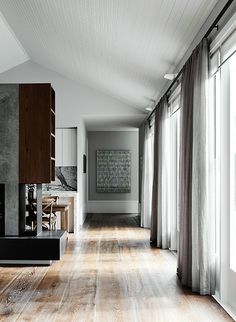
(36, 133)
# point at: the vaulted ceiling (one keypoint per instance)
(120, 47)
(11, 52)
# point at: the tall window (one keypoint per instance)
(147, 174)
(223, 94)
(174, 102)
(232, 80)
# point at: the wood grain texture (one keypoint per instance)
(35, 128)
(108, 273)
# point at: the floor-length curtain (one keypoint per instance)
(196, 251)
(160, 232)
(147, 175)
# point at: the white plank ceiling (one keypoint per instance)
(120, 47)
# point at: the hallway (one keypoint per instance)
(109, 273)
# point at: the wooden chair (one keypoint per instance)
(55, 198)
(49, 218)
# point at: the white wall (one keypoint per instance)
(73, 100)
(112, 202)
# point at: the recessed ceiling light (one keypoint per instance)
(170, 76)
(148, 109)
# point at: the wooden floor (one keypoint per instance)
(109, 273)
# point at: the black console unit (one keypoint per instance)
(48, 245)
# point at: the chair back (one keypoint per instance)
(49, 218)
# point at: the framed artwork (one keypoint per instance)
(113, 171)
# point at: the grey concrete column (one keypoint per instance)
(9, 154)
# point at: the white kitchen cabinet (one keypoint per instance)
(66, 147)
(59, 153)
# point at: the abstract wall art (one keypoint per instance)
(113, 171)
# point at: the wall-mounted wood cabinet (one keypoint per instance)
(36, 133)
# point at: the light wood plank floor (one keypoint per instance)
(109, 273)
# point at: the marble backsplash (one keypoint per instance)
(66, 180)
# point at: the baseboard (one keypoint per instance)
(113, 206)
(226, 307)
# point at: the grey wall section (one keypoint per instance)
(112, 140)
(9, 154)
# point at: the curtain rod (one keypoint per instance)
(213, 26)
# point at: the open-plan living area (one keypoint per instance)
(118, 160)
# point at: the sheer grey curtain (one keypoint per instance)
(147, 175)
(196, 267)
(160, 234)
